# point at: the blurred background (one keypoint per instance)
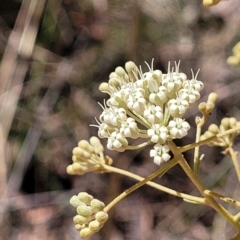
(54, 54)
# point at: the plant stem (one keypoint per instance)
(192, 175)
(196, 161)
(233, 155)
(193, 145)
(190, 198)
(161, 170)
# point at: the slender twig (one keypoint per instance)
(187, 197)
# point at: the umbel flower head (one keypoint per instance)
(149, 106)
(90, 214)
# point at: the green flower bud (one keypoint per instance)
(83, 144)
(79, 227)
(101, 217)
(94, 225)
(114, 82)
(97, 205)
(120, 71)
(225, 123)
(131, 68)
(80, 220)
(98, 147)
(84, 211)
(208, 134)
(104, 88)
(85, 197)
(212, 98)
(75, 202)
(70, 170)
(213, 128)
(77, 167)
(80, 152)
(113, 75)
(202, 107)
(86, 233)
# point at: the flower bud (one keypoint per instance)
(80, 219)
(213, 128)
(85, 197)
(225, 123)
(86, 233)
(98, 147)
(101, 217)
(70, 170)
(202, 107)
(75, 202)
(120, 71)
(84, 211)
(104, 88)
(94, 225)
(83, 144)
(97, 205)
(131, 68)
(212, 98)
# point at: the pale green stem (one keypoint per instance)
(222, 197)
(193, 145)
(233, 155)
(138, 118)
(143, 135)
(196, 159)
(186, 197)
(194, 178)
(161, 170)
(139, 146)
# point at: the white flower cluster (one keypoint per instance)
(146, 105)
(90, 214)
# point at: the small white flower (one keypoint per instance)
(158, 133)
(153, 114)
(159, 97)
(136, 103)
(129, 128)
(160, 153)
(116, 141)
(177, 107)
(172, 82)
(104, 130)
(178, 128)
(189, 93)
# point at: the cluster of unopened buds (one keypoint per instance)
(213, 130)
(90, 214)
(88, 157)
(148, 106)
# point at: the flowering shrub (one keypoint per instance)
(150, 106)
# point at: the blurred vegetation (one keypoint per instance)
(54, 54)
